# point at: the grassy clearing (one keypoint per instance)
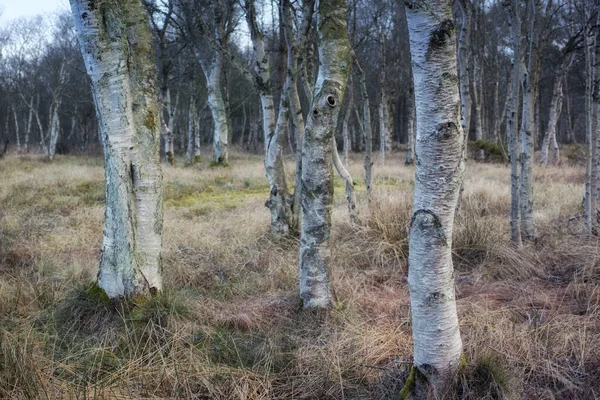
(229, 326)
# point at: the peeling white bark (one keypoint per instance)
(216, 103)
(350, 196)
(116, 44)
(274, 129)
(554, 114)
(317, 171)
(440, 169)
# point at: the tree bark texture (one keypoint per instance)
(366, 126)
(116, 43)
(317, 171)
(512, 122)
(440, 147)
(528, 81)
(273, 130)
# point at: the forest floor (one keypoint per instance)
(229, 326)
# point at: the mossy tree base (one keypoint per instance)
(170, 158)
(415, 387)
(215, 164)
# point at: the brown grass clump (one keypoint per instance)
(229, 324)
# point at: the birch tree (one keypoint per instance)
(567, 58)
(528, 81)
(317, 171)
(440, 168)
(210, 26)
(514, 22)
(116, 44)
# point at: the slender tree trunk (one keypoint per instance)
(273, 130)
(554, 114)
(17, 134)
(412, 121)
(317, 171)
(464, 41)
(169, 125)
(477, 99)
(123, 78)
(440, 151)
(384, 123)
(28, 131)
(216, 104)
(347, 115)
(366, 125)
(497, 113)
(191, 131)
(590, 178)
(350, 196)
(528, 81)
(570, 131)
(197, 155)
(512, 121)
(54, 132)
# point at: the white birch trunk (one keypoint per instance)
(317, 171)
(54, 132)
(554, 114)
(189, 153)
(273, 130)
(528, 80)
(512, 121)
(464, 40)
(347, 114)
(350, 196)
(590, 179)
(17, 133)
(384, 123)
(477, 99)
(440, 152)
(197, 155)
(28, 130)
(116, 44)
(412, 123)
(216, 104)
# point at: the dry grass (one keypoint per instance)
(229, 326)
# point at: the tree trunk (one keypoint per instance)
(464, 41)
(366, 125)
(590, 134)
(116, 44)
(528, 81)
(169, 125)
(497, 115)
(439, 173)
(218, 110)
(512, 121)
(273, 130)
(54, 132)
(28, 131)
(477, 99)
(17, 134)
(412, 119)
(384, 123)
(350, 196)
(554, 114)
(317, 171)
(191, 131)
(347, 115)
